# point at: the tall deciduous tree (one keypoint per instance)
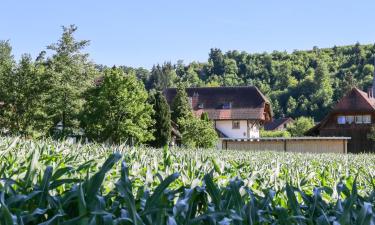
(162, 120)
(70, 74)
(24, 99)
(117, 110)
(22, 94)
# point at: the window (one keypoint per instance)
(349, 119)
(227, 105)
(359, 119)
(367, 119)
(235, 124)
(341, 119)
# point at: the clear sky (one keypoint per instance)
(142, 33)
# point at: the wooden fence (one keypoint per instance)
(296, 144)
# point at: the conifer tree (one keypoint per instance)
(205, 117)
(162, 120)
(181, 108)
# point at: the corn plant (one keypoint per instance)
(47, 182)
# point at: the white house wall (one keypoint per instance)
(225, 126)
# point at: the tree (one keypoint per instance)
(197, 133)
(181, 108)
(324, 91)
(117, 110)
(24, 111)
(204, 116)
(291, 106)
(300, 126)
(162, 77)
(216, 59)
(162, 120)
(70, 74)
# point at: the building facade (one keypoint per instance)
(237, 112)
(353, 116)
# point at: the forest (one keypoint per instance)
(300, 83)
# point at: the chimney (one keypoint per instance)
(370, 92)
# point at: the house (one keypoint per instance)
(278, 124)
(237, 112)
(353, 116)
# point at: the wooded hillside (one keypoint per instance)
(301, 83)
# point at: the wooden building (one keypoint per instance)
(353, 116)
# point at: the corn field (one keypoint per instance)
(48, 182)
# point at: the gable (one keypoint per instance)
(355, 101)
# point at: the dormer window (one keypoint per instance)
(200, 105)
(227, 105)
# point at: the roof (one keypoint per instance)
(286, 138)
(277, 123)
(246, 102)
(354, 101)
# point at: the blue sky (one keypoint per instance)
(142, 33)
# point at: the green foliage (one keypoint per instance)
(69, 75)
(162, 77)
(181, 108)
(300, 126)
(162, 118)
(371, 134)
(315, 79)
(117, 110)
(57, 183)
(277, 133)
(23, 93)
(197, 133)
(204, 116)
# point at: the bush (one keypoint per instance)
(299, 127)
(278, 133)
